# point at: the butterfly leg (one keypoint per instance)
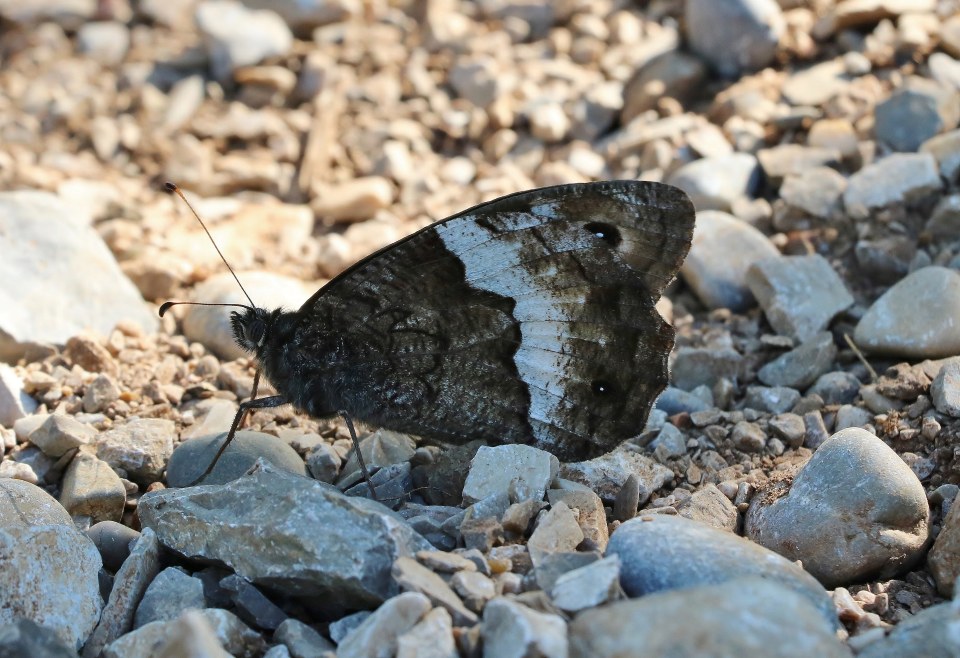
(262, 403)
(356, 448)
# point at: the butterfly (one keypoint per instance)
(527, 319)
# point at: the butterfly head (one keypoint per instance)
(251, 327)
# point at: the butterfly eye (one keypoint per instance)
(606, 232)
(601, 387)
(255, 332)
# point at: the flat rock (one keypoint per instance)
(140, 446)
(431, 637)
(800, 295)
(710, 506)
(211, 327)
(512, 630)
(300, 639)
(734, 36)
(49, 576)
(715, 183)
(660, 552)
(606, 474)
(557, 532)
(128, 587)
(587, 587)
(897, 178)
(191, 458)
(855, 511)
(915, 318)
(782, 623)
(522, 471)
(24, 637)
(723, 249)
(917, 111)
(411, 576)
(41, 234)
(269, 527)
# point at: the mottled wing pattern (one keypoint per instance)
(526, 319)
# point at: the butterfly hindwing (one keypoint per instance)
(526, 319)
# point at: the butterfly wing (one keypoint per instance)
(526, 319)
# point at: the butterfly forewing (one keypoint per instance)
(527, 319)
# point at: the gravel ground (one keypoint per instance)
(792, 492)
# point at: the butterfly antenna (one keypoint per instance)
(166, 306)
(172, 188)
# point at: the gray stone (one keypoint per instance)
(23, 637)
(711, 507)
(523, 471)
(91, 488)
(817, 84)
(748, 437)
(674, 74)
(232, 634)
(734, 36)
(740, 617)
(772, 399)
(784, 160)
(931, 632)
(210, 326)
(815, 192)
(380, 448)
(168, 596)
(304, 15)
(60, 433)
(854, 511)
(838, 387)
(431, 637)
(715, 183)
(915, 318)
(27, 505)
(301, 640)
(591, 515)
(800, 295)
(661, 552)
(850, 416)
(474, 588)
(235, 36)
(944, 222)
(15, 403)
(512, 630)
(113, 540)
(128, 588)
(40, 230)
(323, 462)
(788, 427)
(273, 529)
(589, 586)
(897, 178)
(211, 415)
(378, 634)
(697, 366)
(140, 446)
(944, 558)
(192, 457)
(411, 576)
(886, 259)
(917, 111)
(801, 366)
(605, 475)
(49, 576)
(251, 605)
(104, 41)
(345, 625)
(99, 393)
(674, 401)
(670, 443)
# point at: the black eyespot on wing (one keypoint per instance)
(606, 232)
(601, 387)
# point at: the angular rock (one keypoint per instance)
(15, 403)
(855, 511)
(944, 557)
(709, 506)
(235, 36)
(930, 632)
(592, 518)
(558, 531)
(168, 596)
(915, 112)
(800, 295)
(512, 630)
(802, 365)
(273, 529)
(660, 552)
(251, 605)
(781, 623)
(715, 183)
(140, 446)
(522, 471)
(915, 318)
(411, 576)
(128, 588)
(40, 231)
(897, 178)
(698, 366)
(606, 474)
(432, 637)
(27, 505)
(301, 640)
(734, 36)
(232, 634)
(588, 587)
(378, 634)
(91, 488)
